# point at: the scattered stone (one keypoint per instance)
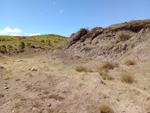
(6, 87)
(49, 105)
(33, 69)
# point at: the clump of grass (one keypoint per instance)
(83, 69)
(28, 74)
(105, 109)
(21, 45)
(109, 66)
(130, 62)
(9, 47)
(127, 77)
(1, 95)
(43, 41)
(123, 37)
(103, 70)
(109, 77)
(28, 44)
(56, 47)
(105, 75)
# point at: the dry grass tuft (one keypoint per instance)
(83, 69)
(1, 95)
(104, 74)
(28, 74)
(106, 109)
(123, 37)
(127, 77)
(130, 62)
(108, 66)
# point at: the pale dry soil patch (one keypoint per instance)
(48, 83)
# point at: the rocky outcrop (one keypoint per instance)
(75, 37)
(106, 43)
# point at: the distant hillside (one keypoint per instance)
(128, 40)
(12, 44)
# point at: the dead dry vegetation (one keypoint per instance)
(72, 81)
(52, 83)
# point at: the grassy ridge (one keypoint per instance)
(50, 41)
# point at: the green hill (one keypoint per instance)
(46, 42)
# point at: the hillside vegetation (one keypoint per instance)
(17, 44)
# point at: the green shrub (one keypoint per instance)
(28, 44)
(3, 46)
(105, 109)
(55, 41)
(43, 41)
(130, 62)
(21, 45)
(3, 49)
(9, 47)
(49, 42)
(127, 77)
(56, 47)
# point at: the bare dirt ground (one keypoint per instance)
(49, 83)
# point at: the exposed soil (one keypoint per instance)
(48, 83)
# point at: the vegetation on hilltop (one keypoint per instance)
(46, 42)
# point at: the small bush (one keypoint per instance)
(106, 109)
(83, 69)
(9, 47)
(42, 41)
(105, 75)
(109, 66)
(127, 77)
(109, 77)
(56, 47)
(55, 41)
(130, 62)
(28, 44)
(21, 45)
(3, 46)
(123, 37)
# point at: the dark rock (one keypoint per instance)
(75, 37)
(32, 46)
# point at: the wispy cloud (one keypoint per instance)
(26, 33)
(35, 34)
(8, 30)
(61, 11)
(54, 2)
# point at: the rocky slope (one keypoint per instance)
(128, 40)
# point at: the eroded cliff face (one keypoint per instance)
(128, 40)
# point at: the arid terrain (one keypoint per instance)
(95, 72)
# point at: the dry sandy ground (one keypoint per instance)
(53, 86)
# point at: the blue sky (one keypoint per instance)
(63, 17)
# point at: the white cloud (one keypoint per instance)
(3, 32)
(35, 34)
(26, 33)
(8, 30)
(15, 34)
(61, 11)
